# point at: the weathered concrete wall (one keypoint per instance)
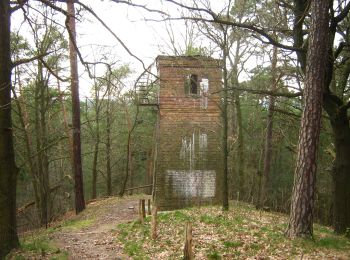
(189, 161)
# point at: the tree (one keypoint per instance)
(78, 171)
(302, 204)
(8, 168)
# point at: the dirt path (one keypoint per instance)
(98, 240)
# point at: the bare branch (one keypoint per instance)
(23, 61)
(52, 72)
(216, 19)
(115, 36)
(20, 4)
(269, 93)
(140, 6)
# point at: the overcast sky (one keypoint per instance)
(145, 39)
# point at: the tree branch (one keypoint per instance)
(216, 19)
(20, 4)
(140, 6)
(115, 36)
(23, 61)
(341, 16)
(268, 92)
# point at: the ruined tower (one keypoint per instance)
(188, 168)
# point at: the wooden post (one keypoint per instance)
(149, 207)
(188, 253)
(142, 210)
(154, 222)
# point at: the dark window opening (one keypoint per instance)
(194, 84)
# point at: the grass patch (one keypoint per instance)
(242, 232)
(232, 244)
(77, 224)
(133, 248)
(37, 246)
(132, 235)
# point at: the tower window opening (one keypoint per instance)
(194, 84)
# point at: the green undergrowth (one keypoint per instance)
(240, 233)
(38, 245)
(77, 224)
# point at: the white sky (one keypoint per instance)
(146, 40)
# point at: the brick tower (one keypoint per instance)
(188, 168)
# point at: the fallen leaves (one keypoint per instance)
(241, 233)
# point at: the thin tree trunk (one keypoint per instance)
(302, 203)
(128, 165)
(108, 143)
(78, 171)
(108, 163)
(32, 162)
(269, 132)
(239, 160)
(65, 122)
(225, 128)
(94, 169)
(8, 168)
(41, 144)
(128, 169)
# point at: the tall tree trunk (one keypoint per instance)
(31, 161)
(128, 164)
(239, 158)
(78, 171)
(41, 145)
(341, 173)
(108, 142)
(302, 203)
(225, 205)
(269, 133)
(128, 168)
(65, 123)
(341, 165)
(8, 168)
(94, 170)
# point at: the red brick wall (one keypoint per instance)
(189, 160)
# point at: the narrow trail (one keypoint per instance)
(98, 240)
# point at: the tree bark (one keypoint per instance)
(78, 171)
(8, 168)
(302, 203)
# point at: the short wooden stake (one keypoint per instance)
(143, 210)
(154, 222)
(188, 253)
(149, 207)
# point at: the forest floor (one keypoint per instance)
(109, 229)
